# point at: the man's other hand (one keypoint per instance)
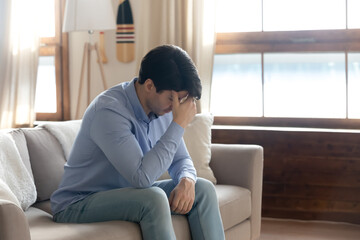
(182, 197)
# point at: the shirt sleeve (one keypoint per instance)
(112, 133)
(182, 165)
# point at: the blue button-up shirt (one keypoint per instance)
(119, 146)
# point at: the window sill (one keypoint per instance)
(283, 129)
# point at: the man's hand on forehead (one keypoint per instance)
(181, 97)
(184, 109)
(181, 100)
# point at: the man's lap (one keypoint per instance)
(122, 204)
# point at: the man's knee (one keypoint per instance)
(157, 193)
(205, 188)
(157, 199)
(204, 185)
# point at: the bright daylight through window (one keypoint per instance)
(299, 79)
(45, 100)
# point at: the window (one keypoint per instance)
(287, 63)
(45, 99)
(243, 73)
(52, 91)
(354, 84)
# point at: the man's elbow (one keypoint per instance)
(141, 182)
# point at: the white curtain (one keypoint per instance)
(19, 62)
(189, 24)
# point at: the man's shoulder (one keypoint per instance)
(115, 100)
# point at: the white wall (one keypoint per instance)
(115, 71)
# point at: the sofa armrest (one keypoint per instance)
(241, 165)
(13, 222)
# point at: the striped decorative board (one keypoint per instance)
(125, 33)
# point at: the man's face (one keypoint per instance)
(161, 102)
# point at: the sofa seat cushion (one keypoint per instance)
(42, 227)
(44, 205)
(235, 204)
(180, 223)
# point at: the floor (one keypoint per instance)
(280, 229)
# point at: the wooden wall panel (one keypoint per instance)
(307, 174)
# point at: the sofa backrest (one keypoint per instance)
(47, 161)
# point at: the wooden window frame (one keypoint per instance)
(58, 46)
(314, 41)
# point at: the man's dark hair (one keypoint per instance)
(170, 68)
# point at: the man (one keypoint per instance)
(130, 135)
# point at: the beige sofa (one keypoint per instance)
(237, 168)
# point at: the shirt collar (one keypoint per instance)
(136, 105)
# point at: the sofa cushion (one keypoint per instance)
(197, 137)
(180, 223)
(44, 205)
(235, 204)
(42, 227)
(47, 161)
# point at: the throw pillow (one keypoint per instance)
(197, 138)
